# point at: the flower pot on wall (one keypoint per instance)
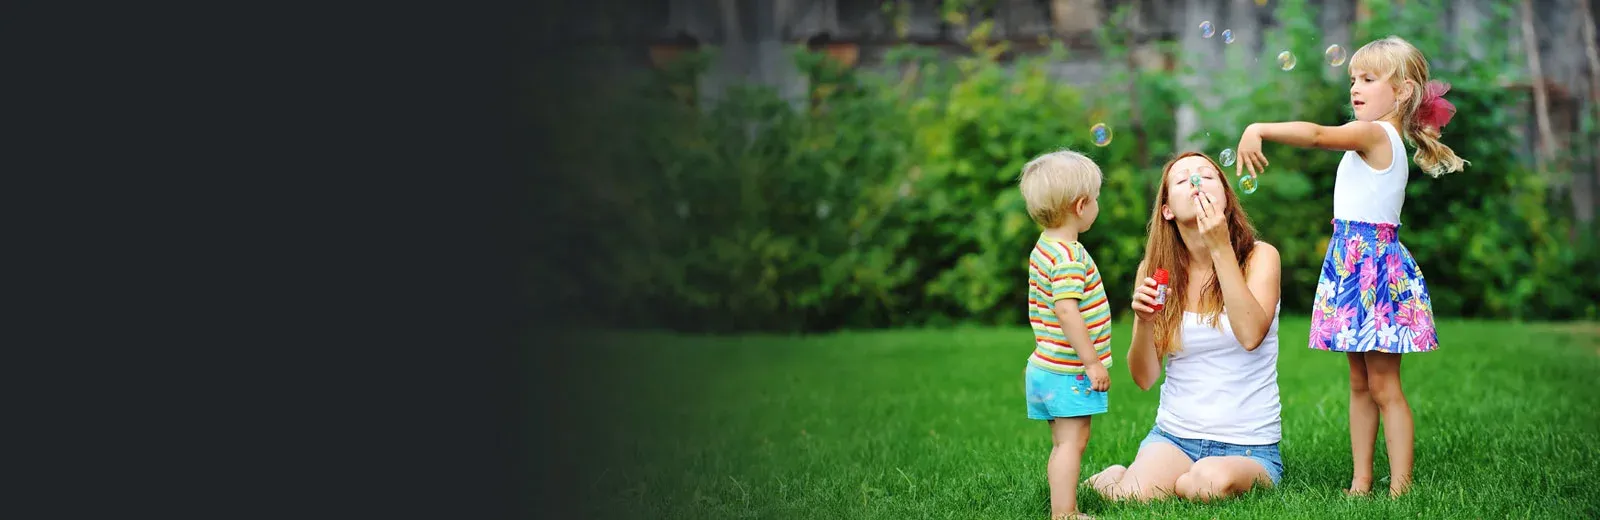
(844, 53)
(663, 54)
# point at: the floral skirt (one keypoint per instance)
(1371, 296)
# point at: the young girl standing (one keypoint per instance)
(1371, 301)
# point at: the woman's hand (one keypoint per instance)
(1213, 224)
(1144, 301)
(1249, 153)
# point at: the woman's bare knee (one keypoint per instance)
(1204, 481)
(1185, 485)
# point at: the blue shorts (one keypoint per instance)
(1052, 395)
(1266, 455)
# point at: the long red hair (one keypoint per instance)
(1165, 249)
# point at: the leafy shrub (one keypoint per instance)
(889, 199)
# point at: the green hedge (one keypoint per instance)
(890, 199)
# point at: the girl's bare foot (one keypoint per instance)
(1396, 490)
(1071, 516)
(1359, 488)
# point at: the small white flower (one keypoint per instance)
(1324, 289)
(1345, 337)
(1389, 335)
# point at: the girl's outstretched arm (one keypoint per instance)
(1359, 136)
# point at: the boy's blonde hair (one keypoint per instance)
(1399, 61)
(1053, 182)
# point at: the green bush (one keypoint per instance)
(891, 200)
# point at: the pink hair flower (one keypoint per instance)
(1436, 111)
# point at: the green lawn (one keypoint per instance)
(931, 424)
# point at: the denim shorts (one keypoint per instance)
(1266, 455)
(1052, 395)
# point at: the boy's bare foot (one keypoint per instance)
(1396, 491)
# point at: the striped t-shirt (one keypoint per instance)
(1058, 270)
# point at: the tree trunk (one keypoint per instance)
(1541, 101)
(1585, 208)
(1590, 51)
(1141, 151)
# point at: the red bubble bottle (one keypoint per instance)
(1161, 288)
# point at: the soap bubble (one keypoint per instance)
(683, 209)
(1205, 29)
(1227, 36)
(1227, 157)
(823, 208)
(1247, 183)
(1101, 133)
(1335, 55)
(1286, 60)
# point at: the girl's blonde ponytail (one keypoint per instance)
(1433, 156)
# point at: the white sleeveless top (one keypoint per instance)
(1364, 194)
(1216, 390)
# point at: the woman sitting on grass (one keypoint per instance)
(1217, 429)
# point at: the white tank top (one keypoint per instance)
(1364, 194)
(1217, 390)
